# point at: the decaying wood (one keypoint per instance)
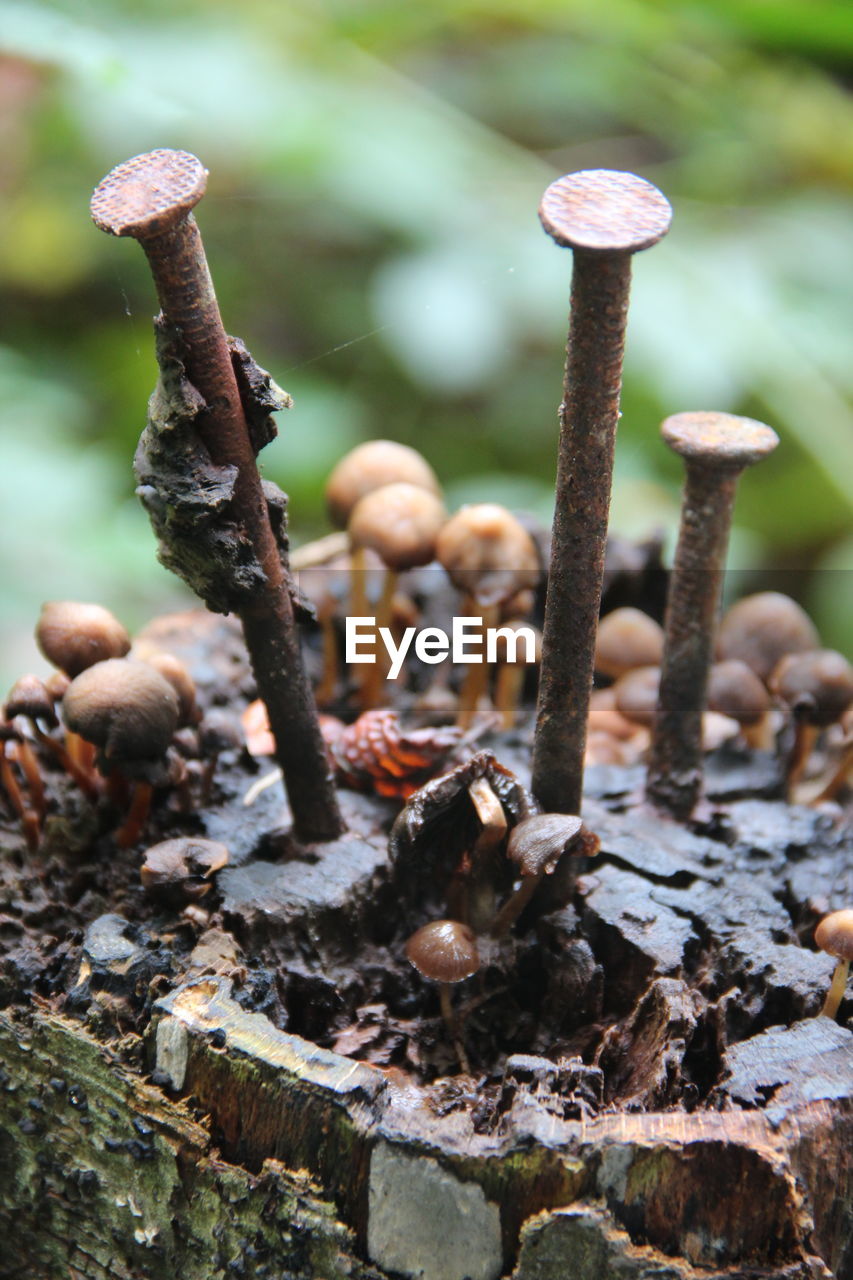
(653, 1098)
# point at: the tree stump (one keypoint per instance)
(271, 1092)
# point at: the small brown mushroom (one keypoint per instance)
(636, 695)
(29, 700)
(735, 690)
(400, 522)
(372, 466)
(535, 846)
(179, 870)
(367, 467)
(29, 818)
(445, 951)
(489, 555)
(834, 935)
(129, 712)
(74, 636)
(818, 688)
(179, 677)
(627, 638)
(762, 628)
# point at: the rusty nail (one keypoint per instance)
(716, 447)
(151, 198)
(604, 217)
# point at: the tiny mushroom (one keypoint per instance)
(834, 935)
(367, 467)
(372, 466)
(535, 846)
(129, 712)
(401, 523)
(636, 695)
(735, 690)
(818, 689)
(490, 556)
(179, 870)
(179, 677)
(762, 628)
(627, 638)
(445, 951)
(74, 636)
(29, 700)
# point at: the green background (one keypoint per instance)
(375, 170)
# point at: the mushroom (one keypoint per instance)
(818, 688)
(179, 677)
(762, 628)
(180, 869)
(490, 556)
(29, 700)
(627, 638)
(735, 690)
(29, 818)
(74, 636)
(367, 467)
(535, 846)
(129, 712)
(445, 951)
(401, 523)
(834, 935)
(636, 695)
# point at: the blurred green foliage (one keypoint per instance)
(371, 226)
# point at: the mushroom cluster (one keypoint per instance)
(110, 718)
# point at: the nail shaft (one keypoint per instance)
(716, 448)
(149, 198)
(604, 217)
(588, 417)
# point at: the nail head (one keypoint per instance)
(605, 210)
(719, 439)
(145, 196)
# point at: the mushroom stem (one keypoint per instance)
(29, 819)
(508, 686)
(514, 905)
(85, 779)
(377, 674)
(476, 682)
(131, 829)
(839, 776)
(26, 758)
(836, 992)
(805, 736)
(759, 736)
(326, 688)
(450, 1021)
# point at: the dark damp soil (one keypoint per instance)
(623, 984)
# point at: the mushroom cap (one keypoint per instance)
(627, 638)
(444, 950)
(178, 675)
(124, 707)
(760, 629)
(536, 844)
(30, 697)
(834, 934)
(637, 694)
(735, 690)
(372, 466)
(817, 685)
(74, 636)
(488, 553)
(174, 863)
(400, 522)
